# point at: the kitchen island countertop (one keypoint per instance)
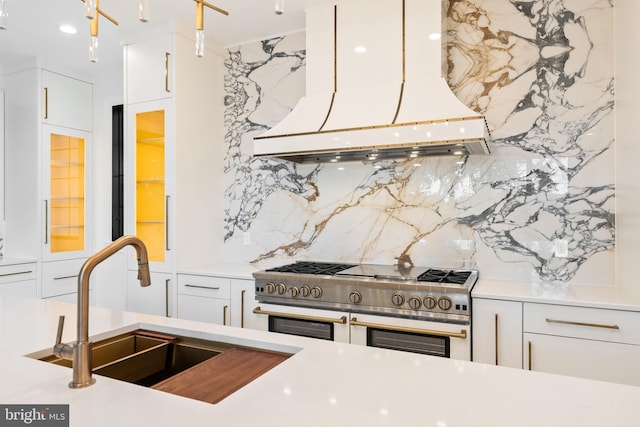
(322, 384)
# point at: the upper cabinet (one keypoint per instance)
(149, 69)
(66, 102)
(48, 165)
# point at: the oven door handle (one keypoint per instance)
(342, 320)
(462, 334)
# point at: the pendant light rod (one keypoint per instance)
(210, 6)
(101, 12)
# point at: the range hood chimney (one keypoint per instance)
(375, 89)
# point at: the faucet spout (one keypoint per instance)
(81, 349)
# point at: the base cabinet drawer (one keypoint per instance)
(202, 309)
(204, 286)
(598, 360)
(61, 277)
(19, 279)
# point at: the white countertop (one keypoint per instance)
(609, 297)
(237, 271)
(323, 384)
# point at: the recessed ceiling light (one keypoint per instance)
(360, 49)
(68, 29)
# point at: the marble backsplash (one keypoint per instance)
(540, 207)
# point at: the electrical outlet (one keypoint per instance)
(246, 238)
(561, 248)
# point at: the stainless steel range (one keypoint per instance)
(395, 299)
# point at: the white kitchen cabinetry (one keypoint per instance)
(204, 298)
(19, 279)
(174, 148)
(48, 167)
(243, 301)
(497, 332)
(585, 342)
(156, 298)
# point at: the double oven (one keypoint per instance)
(406, 308)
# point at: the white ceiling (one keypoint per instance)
(33, 27)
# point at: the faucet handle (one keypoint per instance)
(63, 351)
(60, 328)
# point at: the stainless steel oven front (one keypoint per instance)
(307, 322)
(442, 339)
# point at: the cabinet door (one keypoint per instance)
(148, 190)
(66, 101)
(153, 299)
(598, 360)
(203, 309)
(243, 302)
(149, 70)
(66, 193)
(497, 332)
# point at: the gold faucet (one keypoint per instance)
(80, 351)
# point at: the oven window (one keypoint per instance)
(304, 328)
(407, 341)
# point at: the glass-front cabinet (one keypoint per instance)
(66, 160)
(148, 191)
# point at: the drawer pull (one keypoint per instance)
(16, 273)
(462, 334)
(215, 288)
(74, 276)
(590, 325)
(342, 320)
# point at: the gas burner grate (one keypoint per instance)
(444, 276)
(317, 268)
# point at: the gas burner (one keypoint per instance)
(444, 276)
(317, 268)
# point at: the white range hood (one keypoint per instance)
(375, 89)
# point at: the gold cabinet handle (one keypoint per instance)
(496, 337)
(214, 288)
(529, 355)
(462, 334)
(590, 325)
(72, 276)
(342, 320)
(166, 297)
(224, 315)
(166, 223)
(242, 308)
(46, 103)
(166, 72)
(18, 273)
(46, 222)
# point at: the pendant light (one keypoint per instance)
(279, 7)
(92, 8)
(3, 14)
(200, 4)
(143, 10)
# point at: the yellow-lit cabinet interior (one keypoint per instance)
(151, 198)
(66, 184)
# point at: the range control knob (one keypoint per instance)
(397, 299)
(281, 288)
(316, 292)
(414, 302)
(430, 302)
(305, 290)
(270, 287)
(444, 303)
(355, 297)
(294, 291)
